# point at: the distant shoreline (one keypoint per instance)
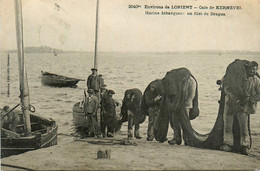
(55, 51)
(166, 52)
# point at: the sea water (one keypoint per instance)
(121, 71)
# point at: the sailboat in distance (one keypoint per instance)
(33, 131)
(54, 52)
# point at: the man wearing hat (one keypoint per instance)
(101, 80)
(94, 82)
(240, 103)
(103, 91)
(90, 108)
(108, 108)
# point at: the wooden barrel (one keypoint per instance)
(79, 118)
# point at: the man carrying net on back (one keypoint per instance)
(242, 88)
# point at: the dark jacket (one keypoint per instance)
(133, 103)
(94, 82)
(108, 105)
(148, 96)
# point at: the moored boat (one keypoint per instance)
(43, 134)
(22, 131)
(56, 80)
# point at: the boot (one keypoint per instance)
(109, 134)
(150, 133)
(149, 139)
(244, 150)
(174, 141)
(226, 148)
(137, 135)
(130, 134)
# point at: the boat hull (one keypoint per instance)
(55, 80)
(44, 134)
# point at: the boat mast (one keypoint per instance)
(24, 89)
(96, 38)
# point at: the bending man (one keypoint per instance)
(153, 99)
(131, 111)
(188, 94)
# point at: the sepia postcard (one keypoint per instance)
(75, 75)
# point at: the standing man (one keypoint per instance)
(153, 99)
(103, 91)
(242, 94)
(101, 80)
(90, 108)
(103, 94)
(94, 82)
(108, 108)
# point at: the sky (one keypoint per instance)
(70, 25)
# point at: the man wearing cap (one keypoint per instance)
(101, 80)
(90, 108)
(103, 91)
(241, 106)
(108, 107)
(94, 82)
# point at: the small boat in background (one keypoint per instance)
(56, 80)
(54, 52)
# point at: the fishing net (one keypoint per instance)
(235, 79)
(175, 103)
(172, 85)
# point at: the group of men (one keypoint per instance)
(241, 107)
(99, 107)
(242, 92)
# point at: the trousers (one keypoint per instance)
(109, 122)
(153, 116)
(93, 124)
(176, 126)
(228, 117)
(133, 120)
